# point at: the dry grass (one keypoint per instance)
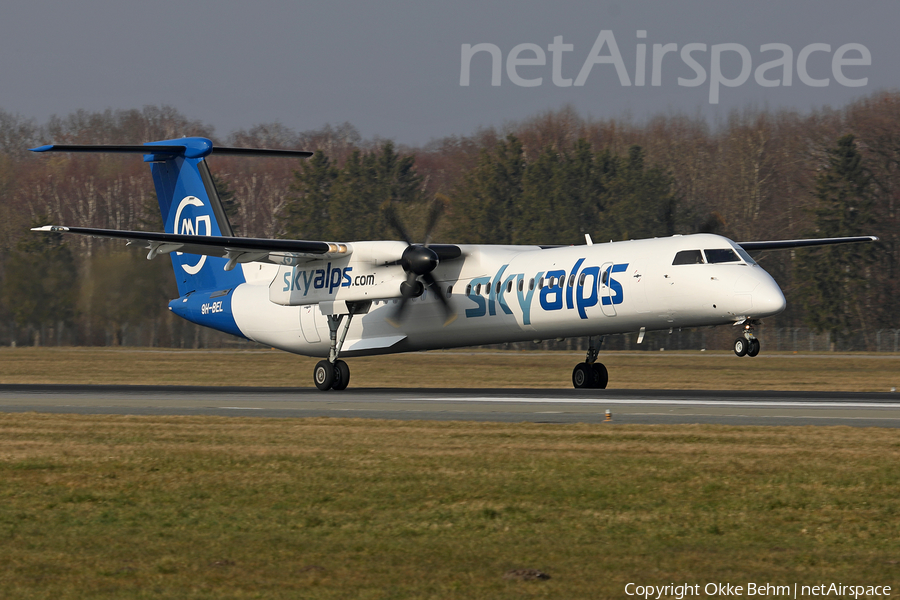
(207, 507)
(642, 370)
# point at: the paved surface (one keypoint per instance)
(508, 405)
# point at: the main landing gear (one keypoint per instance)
(590, 373)
(334, 374)
(747, 344)
(328, 376)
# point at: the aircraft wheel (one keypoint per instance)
(753, 347)
(601, 376)
(323, 375)
(341, 375)
(740, 346)
(583, 376)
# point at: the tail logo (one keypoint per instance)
(187, 226)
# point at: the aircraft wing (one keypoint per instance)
(235, 249)
(783, 244)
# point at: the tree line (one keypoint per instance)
(550, 179)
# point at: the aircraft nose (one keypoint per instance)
(768, 299)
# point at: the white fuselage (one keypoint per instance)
(503, 294)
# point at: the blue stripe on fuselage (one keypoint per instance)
(210, 309)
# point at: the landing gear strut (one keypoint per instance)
(747, 344)
(590, 373)
(334, 374)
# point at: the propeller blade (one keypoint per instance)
(418, 260)
(436, 290)
(434, 213)
(397, 314)
(394, 221)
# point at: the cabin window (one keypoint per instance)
(497, 291)
(509, 286)
(688, 257)
(541, 283)
(581, 279)
(478, 290)
(724, 255)
(469, 290)
(521, 285)
(531, 284)
(604, 277)
(572, 280)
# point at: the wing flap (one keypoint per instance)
(372, 343)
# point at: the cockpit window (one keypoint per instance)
(688, 257)
(723, 255)
(743, 254)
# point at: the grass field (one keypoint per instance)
(119, 507)
(206, 507)
(459, 369)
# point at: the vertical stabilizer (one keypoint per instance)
(190, 205)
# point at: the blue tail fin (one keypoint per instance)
(188, 201)
(190, 205)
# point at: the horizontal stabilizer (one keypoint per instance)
(110, 149)
(191, 148)
(784, 244)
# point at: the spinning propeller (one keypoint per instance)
(419, 260)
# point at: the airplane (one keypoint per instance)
(341, 299)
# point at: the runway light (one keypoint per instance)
(608, 415)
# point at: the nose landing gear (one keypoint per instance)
(590, 373)
(747, 345)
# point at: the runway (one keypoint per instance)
(505, 405)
